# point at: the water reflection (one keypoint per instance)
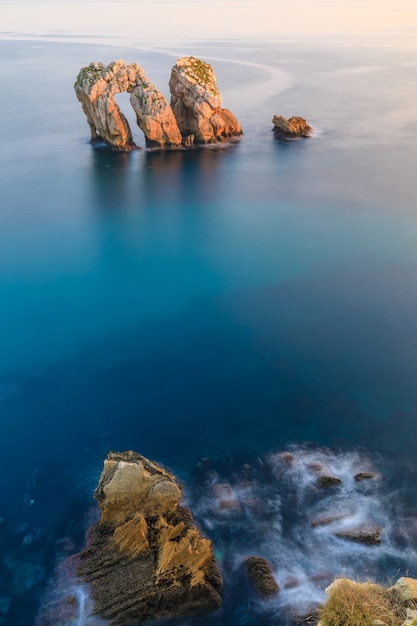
(110, 178)
(182, 177)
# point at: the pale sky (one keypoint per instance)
(175, 20)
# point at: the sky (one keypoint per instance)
(176, 20)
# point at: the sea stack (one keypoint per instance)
(194, 115)
(145, 558)
(197, 104)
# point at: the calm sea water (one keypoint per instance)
(220, 303)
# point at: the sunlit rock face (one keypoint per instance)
(194, 116)
(145, 558)
(196, 103)
(292, 128)
(96, 86)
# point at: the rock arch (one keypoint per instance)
(96, 86)
(194, 115)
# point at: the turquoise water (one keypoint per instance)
(211, 303)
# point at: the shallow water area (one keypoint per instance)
(214, 304)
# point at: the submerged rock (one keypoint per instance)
(360, 476)
(369, 534)
(260, 574)
(292, 128)
(326, 480)
(96, 86)
(325, 520)
(196, 103)
(145, 558)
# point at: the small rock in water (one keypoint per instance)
(325, 481)
(292, 128)
(365, 476)
(261, 576)
(369, 534)
(325, 520)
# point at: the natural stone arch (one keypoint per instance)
(196, 114)
(96, 86)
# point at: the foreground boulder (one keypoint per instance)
(350, 602)
(145, 559)
(96, 86)
(196, 103)
(406, 588)
(292, 128)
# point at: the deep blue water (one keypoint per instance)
(210, 303)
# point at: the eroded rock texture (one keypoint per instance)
(194, 116)
(292, 128)
(145, 559)
(261, 576)
(96, 86)
(196, 103)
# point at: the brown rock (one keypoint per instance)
(196, 103)
(292, 128)
(406, 588)
(365, 476)
(291, 583)
(325, 480)
(96, 86)
(145, 558)
(365, 533)
(261, 576)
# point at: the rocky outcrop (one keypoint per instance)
(360, 476)
(406, 588)
(96, 87)
(260, 574)
(145, 558)
(369, 534)
(292, 128)
(196, 115)
(326, 480)
(350, 602)
(325, 520)
(196, 103)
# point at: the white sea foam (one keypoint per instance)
(278, 510)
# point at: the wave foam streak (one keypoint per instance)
(312, 513)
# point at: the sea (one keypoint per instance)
(242, 314)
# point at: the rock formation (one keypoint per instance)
(196, 103)
(145, 559)
(196, 115)
(96, 86)
(406, 588)
(360, 476)
(292, 128)
(326, 480)
(369, 534)
(261, 576)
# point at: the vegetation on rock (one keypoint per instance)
(354, 604)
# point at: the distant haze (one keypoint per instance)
(161, 21)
